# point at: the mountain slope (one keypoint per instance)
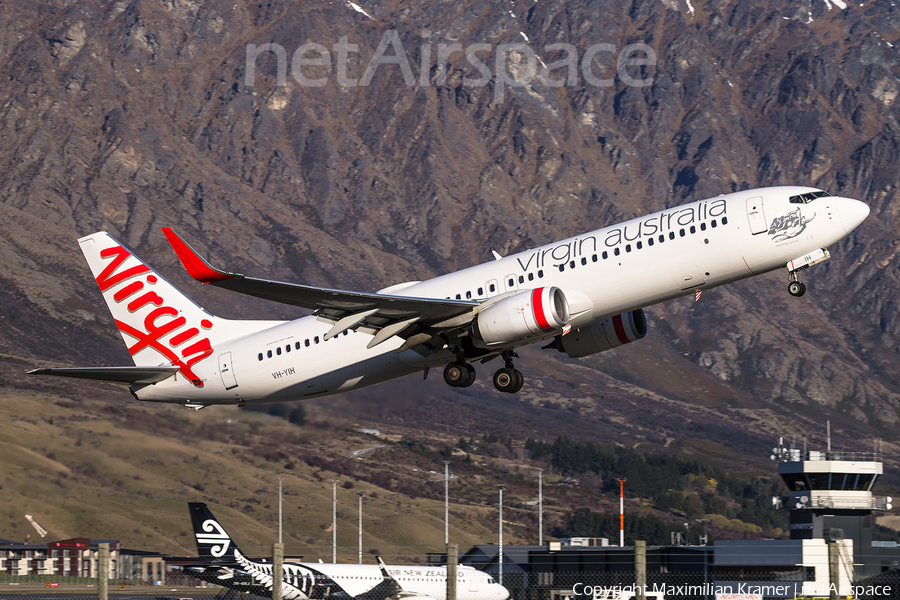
(135, 114)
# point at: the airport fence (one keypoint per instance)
(628, 585)
(690, 576)
(565, 585)
(54, 590)
(613, 585)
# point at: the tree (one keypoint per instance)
(693, 507)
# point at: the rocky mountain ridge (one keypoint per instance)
(131, 115)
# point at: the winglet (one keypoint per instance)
(193, 263)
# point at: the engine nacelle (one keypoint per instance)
(603, 335)
(526, 314)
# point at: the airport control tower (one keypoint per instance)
(831, 493)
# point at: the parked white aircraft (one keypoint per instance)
(585, 293)
(225, 565)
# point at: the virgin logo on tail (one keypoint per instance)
(156, 325)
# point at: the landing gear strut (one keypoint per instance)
(796, 287)
(508, 379)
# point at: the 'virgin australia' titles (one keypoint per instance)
(630, 231)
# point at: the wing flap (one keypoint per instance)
(124, 375)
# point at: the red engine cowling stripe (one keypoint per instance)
(537, 304)
(620, 329)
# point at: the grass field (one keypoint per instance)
(105, 468)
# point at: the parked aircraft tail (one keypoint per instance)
(213, 542)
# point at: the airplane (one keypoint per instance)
(585, 294)
(224, 564)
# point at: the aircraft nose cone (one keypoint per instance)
(852, 213)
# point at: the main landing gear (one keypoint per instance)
(459, 374)
(796, 287)
(507, 379)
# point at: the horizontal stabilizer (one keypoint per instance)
(127, 375)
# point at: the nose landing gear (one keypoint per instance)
(796, 287)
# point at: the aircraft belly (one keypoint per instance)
(355, 369)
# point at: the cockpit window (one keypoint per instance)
(808, 197)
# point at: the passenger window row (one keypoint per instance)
(605, 255)
(297, 346)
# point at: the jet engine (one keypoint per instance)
(526, 314)
(603, 335)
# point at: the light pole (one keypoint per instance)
(334, 521)
(280, 502)
(705, 556)
(540, 507)
(446, 504)
(500, 557)
(360, 526)
(622, 512)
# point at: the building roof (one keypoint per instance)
(8, 545)
(140, 552)
(486, 554)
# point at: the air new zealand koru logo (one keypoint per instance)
(214, 535)
(789, 226)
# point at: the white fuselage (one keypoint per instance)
(606, 272)
(300, 581)
(471, 584)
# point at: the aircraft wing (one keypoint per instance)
(379, 314)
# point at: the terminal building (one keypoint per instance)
(79, 557)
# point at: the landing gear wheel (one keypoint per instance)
(456, 374)
(520, 381)
(506, 380)
(470, 376)
(796, 288)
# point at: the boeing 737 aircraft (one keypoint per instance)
(227, 566)
(584, 294)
